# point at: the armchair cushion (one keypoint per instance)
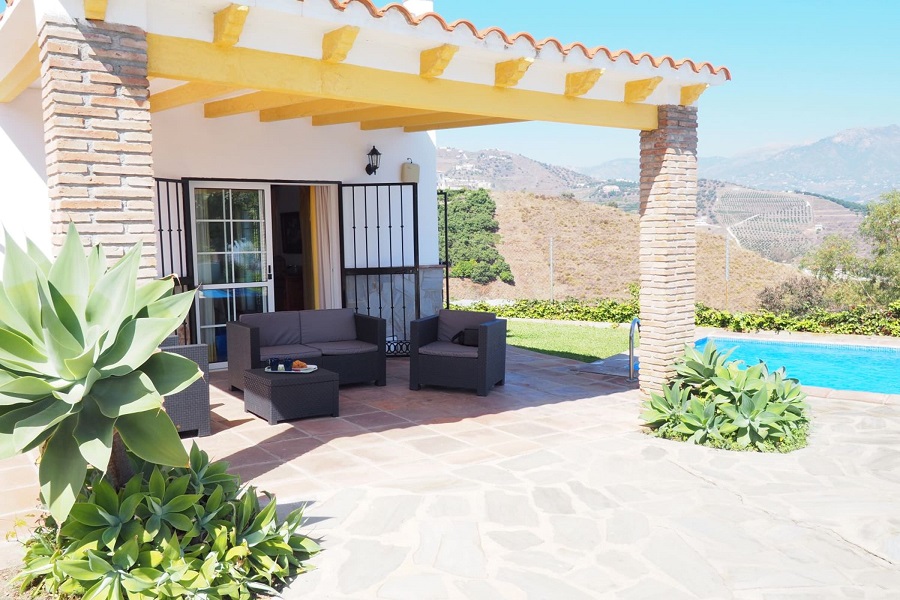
(288, 351)
(330, 325)
(275, 329)
(449, 349)
(451, 322)
(345, 347)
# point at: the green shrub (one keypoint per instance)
(473, 237)
(602, 311)
(714, 401)
(169, 533)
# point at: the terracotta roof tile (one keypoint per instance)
(590, 53)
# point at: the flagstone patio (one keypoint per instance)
(546, 489)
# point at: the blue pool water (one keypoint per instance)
(835, 366)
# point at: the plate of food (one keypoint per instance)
(298, 366)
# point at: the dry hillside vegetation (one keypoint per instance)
(596, 255)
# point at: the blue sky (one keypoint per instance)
(801, 69)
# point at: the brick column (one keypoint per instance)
(668, 242)
(97, 135)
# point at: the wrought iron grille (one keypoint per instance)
(380, 255)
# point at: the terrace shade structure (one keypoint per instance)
(247, 125)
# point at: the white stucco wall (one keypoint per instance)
(24, 204)
(185, 144)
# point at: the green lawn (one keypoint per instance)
(581, 342)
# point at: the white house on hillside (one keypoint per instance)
(233, 139)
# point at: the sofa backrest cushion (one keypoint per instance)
(451, 322)
(275, 328)
(327, 325)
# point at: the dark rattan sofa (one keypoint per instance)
(340, 340)
(435, 360)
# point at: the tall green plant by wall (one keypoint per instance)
(79, 362)
(473, 237)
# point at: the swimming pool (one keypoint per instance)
(835, 366)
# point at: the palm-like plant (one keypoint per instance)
(79, 362)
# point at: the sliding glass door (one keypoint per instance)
(232, 257)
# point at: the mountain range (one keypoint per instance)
(855, 164)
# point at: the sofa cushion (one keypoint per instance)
(344, 347)
(275, 328)
(449, 349)
(288, 351)
(451, 322)
(327, 325)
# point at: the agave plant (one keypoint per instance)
(663, 412)
(79, 362)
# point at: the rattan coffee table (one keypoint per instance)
(285, 396)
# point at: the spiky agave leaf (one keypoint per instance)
(79, 360)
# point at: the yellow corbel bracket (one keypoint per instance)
(433, 61)
(336, 44)
(580, 83)
(95, 10)
(228, 25)
(640, 89)
(690, 93)
(509, 73)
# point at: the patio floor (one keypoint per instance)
(546, 489)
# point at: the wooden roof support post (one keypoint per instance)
(337, 44)
(434, 61)
(228, 24)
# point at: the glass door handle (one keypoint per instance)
(269, 270)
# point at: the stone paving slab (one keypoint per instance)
(547, 489)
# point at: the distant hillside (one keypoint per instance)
(510, 172)
(596, 251)
(856, 164)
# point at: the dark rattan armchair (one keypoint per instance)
(189, 408)
(435, 360)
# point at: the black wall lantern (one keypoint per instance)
(374, 161)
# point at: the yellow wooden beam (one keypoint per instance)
(640, 89)
(422, 120)
(690, 93)
(336, 44)
(580, 83)
(252, 102)
(434, 61)
(458, 124)
(366, 114)
(508, 73)
(21, 76)
(187, 93)
(95, 9)
(228, 24)
(193, 60)
(322, 106)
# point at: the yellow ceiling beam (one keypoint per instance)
(640, 89)
(187, 93)
(228, 24)
(252, 102)
(458, 124)
(509, 72)
(21, 76)
(322, 106)
(434, 61)
(337, 44)
(580, 83)
(366, 114)
(422, 120)
(690, 93)
(193, 60)
(95, 9)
